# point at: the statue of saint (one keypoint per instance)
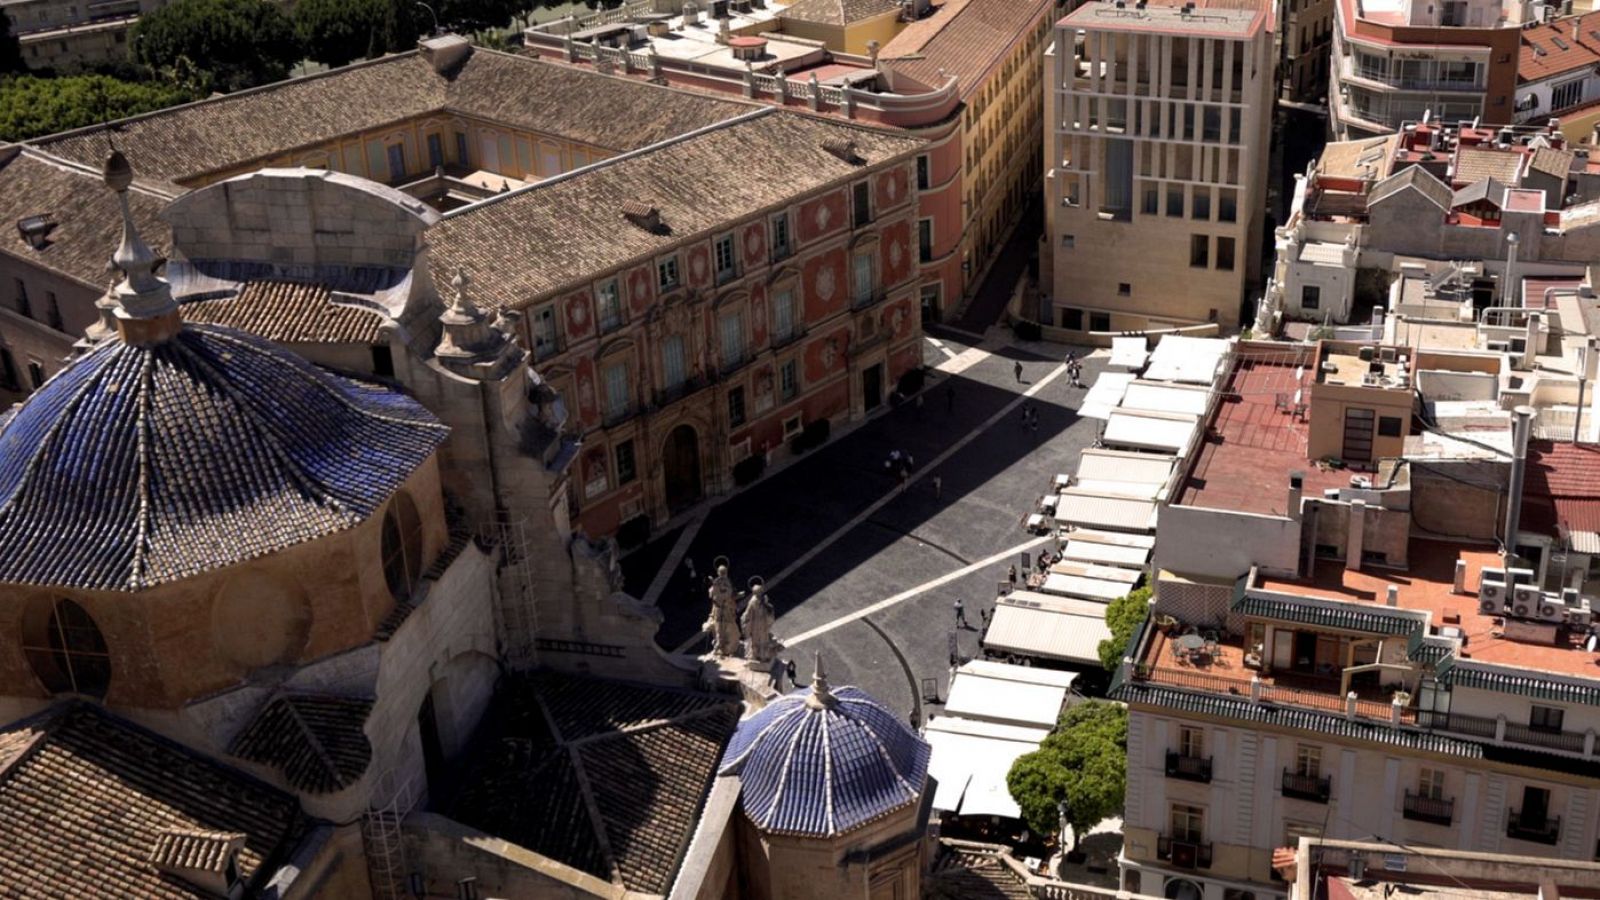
(759, 644)
(723, 622)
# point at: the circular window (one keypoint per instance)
(65, 648)
(1183, 889)
(402, 546)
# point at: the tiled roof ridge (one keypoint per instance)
(609, 161)
(15, 759)
(585, 789)
(68, 409)
(45, 157)
(953, 7)
(306, 731)
(652, 724)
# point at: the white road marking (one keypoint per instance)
(919, 589)
(941, 347)
(680, 549)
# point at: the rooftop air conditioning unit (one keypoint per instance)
(1492, 598)
(1551, 609)
(1570, 598)
(1498, 346)
(1361, 482)
(1525, 600)
(1519, 576)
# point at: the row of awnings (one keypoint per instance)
(1047, 626)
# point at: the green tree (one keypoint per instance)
(233, 44)
(31, 106)
(337, 32)
(10, 47)
(478, 15)
(1083, 763)
(1123, 615)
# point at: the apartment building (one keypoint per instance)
(1558, 74)
(1161, 122)
(962, 76)
(1398, 60)
(67, 35)
(1345, 652)
(1305, 46)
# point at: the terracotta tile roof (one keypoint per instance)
(1553, 48)
(288, 312)
(603, 776)
(224, 133)
(111, 476)
(86, 804)
(1477, 163)
(1416, 178)
(205, 851)
(317, 742)
(521, 246)
(1552, 161)
(87, 222)
(962, 37)
(1562, 489)
(837, 12)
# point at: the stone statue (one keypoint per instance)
(723, 622)
(759, 644)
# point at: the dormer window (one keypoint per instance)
(643, 215)
(208, 860)
(844, 149)
(36, 230)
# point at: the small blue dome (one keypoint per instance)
(820, 762)
(138, 465)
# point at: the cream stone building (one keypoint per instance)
(1160, 119)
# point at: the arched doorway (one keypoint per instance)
(680, 467)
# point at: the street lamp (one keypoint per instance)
(432, 14)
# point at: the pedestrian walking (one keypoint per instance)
(949, 398)
(1012, 575)
(1075, 372)
(1034, 427)
(905, 473)
(1016, 369)
(788, 669)
(938, 487)
(961, 614)
(688, 565)
(917, 407)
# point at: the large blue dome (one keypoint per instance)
(142, 464)
(820, 762)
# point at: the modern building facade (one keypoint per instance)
(1161, 121)
(1398, 61)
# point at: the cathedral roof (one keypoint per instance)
(138, 465)
(820, 762)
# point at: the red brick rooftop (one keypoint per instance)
(1252, 445)
(1428, 584)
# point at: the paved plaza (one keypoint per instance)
(865, 571)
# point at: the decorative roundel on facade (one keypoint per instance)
(823, 216)
(829, 355)
(825, 283)
(893, 188)
(899, 316)
(637, 285)
(698, 266)
(585, 386)
(752, 243)
(896, 253)
(578, 313)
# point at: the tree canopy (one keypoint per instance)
(337, 32)
(478, 15)
(228, 44)
(1123, 615)
(1084, 763)
(31, 106)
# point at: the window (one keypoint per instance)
(544, 332)
(1072, 319)
(924, 240)
(52, 311)
(667, 273)
(780, 236)
(1227, 205)
(735, 407)
(1565, 95)
(1389, 426)
(672, 375)
(922, 172)
(435, 151)
(1188, 823)
(1069, 241)
(1545, 718)
(1310, 297)
(1430, 783)
(1175, 201)
(1201, 208)
(462, 156)
(397, 161)
(610, 305)
(617, 399)
(627, 469)
(783, 315)
(789, 380)
(1225, 254)
(732, 331)
(36, 374)
(1308, 760)
(1152, 200)
(861, 204)
(382, 361)
(1124, 289)
(861, 277)
(725, 261)
(65, 648)
(1191, 742)
(23, 306)
(1199, 251)
(402, 547)
(1099, 321)
(8, 370)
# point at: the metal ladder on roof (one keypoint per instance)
(383, 839)
(517, 611)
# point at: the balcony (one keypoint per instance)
(1537, 829)
(1428, 809)
(1183, 854)
(1316, 788)
(1484, 727)
(1188, 768)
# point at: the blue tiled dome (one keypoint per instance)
(820, 762)
(138, 465)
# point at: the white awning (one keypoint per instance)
(1098, 464)
(1159, 397)
(1091, 570)
(1047, 630)
(1189, 360)
(1007, 694)
(1105, 394)
(1129, 353)
(1137, 430)
(1105, 554)
(970, 761)
(1081, 586)
(1140, 490)
(1101, 511)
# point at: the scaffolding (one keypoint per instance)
(517, 611)
(382, 835)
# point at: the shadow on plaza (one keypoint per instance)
(776, 520)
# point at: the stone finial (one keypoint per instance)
(467, 336)
(106, 325)
(821, 697)
(873, 48)
(142, 294)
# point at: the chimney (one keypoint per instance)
(1297, 482)
(1460, 584)
(1357, 525)
(1532, 337)
(1392, 598)
(445, 52)
(1519, 469)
